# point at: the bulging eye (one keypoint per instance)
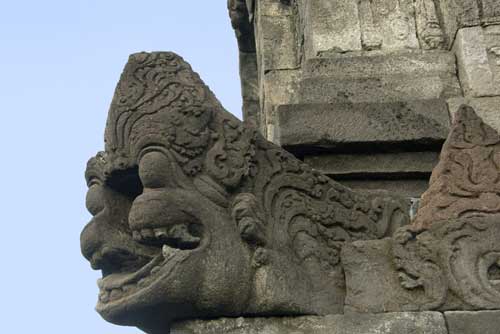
(154, 170)
(95, 199)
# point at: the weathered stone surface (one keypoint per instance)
(429, 26)
(375, 165)
(488, 108)
(467, 13)
(482, 322)
(274, 8)
(450, 251)
(453, 265)
(377, 65)
(363, 51)
(372, 283)
(242, 22)
(490, 11)
(332, 27)
(388, 25)
(492, 41)
(196, 215)
(241, 15)
(477, 75)
(458, 14)
(467, 178)
(380, 89)
(276, 36)
(448, 258)
(417, 123)
(391, 323)
(401, 174)
(409, 188)
(280, 88)
(249, 87)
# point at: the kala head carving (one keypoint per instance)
(196, 215)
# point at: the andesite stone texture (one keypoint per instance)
(448, 258)
(203, 224)
(316, 52)
(345, 166)
(368, 66)
(409, 188)
(379, 89)
(418, 124)
(484, 322)
(488, 108)
(467, 179)
(457, 14)
(478, 76)
(372, 283)
(196, 215)
(389, 323)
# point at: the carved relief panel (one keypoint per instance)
(393, 22)
(396, 24)
(492, 41)
(477, 49)
(429, 29)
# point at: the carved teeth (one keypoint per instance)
(168, 251)
(116, 286)
(115, 294)
(161, 233)
(136, 235)
(181, 233)
(147, 233)
(176, 235)
(100, 283)
(104, 296)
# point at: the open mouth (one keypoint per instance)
(172, 245)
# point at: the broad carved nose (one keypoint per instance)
(109, 246)
(94, 238)
(89, 240)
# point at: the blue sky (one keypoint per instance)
(59, 63)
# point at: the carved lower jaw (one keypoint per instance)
(119, 291)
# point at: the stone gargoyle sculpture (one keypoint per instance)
(196, 215)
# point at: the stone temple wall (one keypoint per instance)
(202, 224)
(364, 90)
(438, 275)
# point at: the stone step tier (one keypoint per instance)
(349, 66)
(372, 120)
(411, 75)
(486, 322)
(379, 89)
(373, 145)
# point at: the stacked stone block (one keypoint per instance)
(357, 78)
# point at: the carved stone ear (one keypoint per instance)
(250, 220)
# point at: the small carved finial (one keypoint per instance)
(466, 181)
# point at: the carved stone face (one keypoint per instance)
(164, 247)
(168, 251)
(195, 215)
